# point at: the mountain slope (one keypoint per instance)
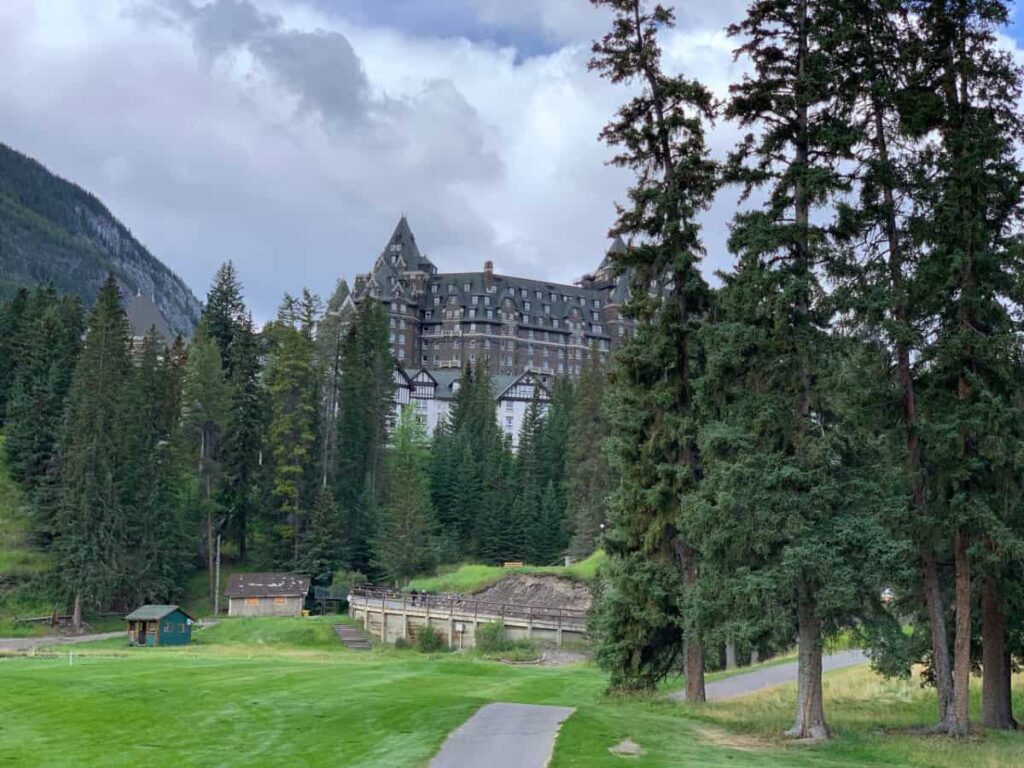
(53, 230)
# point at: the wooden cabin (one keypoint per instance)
(159, 625)
(266, 594)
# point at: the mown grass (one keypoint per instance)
(470, 577)
(271, 692)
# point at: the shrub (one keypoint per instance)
(402, 644)
(429, 640)
(491, 638)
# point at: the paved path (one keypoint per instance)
(504, 736)
(769, 677)
(27, 643)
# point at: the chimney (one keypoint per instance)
(488, 273)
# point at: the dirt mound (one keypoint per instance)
(538, 589)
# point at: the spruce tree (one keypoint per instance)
(155, 530)
(404, 542)
(793, 503)
(292, 387)
(366, 395)
(91, 529)
(968, 208)
(245, 425)
(588, 476)
(321, 550)
(224, 311)
(660, 136)
(204, 406)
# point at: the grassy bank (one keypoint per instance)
(472, 577)
(284, 692)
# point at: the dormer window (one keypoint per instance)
(466, 287)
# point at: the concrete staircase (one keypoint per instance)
(352, 637)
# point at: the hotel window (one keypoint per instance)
(466, 287)
(524, 293)
(487, 343)
(490, 314)
(428, 314)
(597, 303)
(451, 288)
(487, 301)
(508, 423)
(437, 301)
(547, 309)
(476, 300)
(433, 288)
(536, 294)
(509, 405)
(526, 306)
(472, 327)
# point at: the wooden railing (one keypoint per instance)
(455, 605)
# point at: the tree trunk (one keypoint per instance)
(76, 614)
(941, 666)
(730, 655)
(694, 650)
(996, 703)
(695, 673)
(962, 641)
(810, 708)
(755, 657)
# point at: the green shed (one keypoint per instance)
(159, 625)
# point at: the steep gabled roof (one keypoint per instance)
(267, 585)
(405, 241)
(154, 612)
(525, 377)
(143, 315)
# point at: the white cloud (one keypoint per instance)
(291, 141)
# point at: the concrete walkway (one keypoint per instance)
(504, 736)
(769, 677)
(27, 643)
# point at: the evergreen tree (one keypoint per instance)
(526, 506)
(52, 330)
(156, 534)
(329, 338)
(792, 502)
(588, 477)
(403, 545)
(321, 551)
(204, 406)
(91, 530)
(11, 338)
(292, 386)
(244, 433)
(365, 406)
(968, 208)
(224, 313)
(659, 133)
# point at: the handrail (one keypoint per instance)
(454, 604)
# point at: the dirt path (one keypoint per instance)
(769, 677)
(27, 643)
(504, 736)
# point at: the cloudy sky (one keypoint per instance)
(290, 135)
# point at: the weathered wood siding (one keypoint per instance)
(265, 606)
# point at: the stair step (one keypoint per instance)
(352, 638)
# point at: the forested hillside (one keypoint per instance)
(54, 231)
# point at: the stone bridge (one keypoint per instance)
(389, 616)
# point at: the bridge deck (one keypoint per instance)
(463, 609)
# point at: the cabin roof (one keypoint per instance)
(153, 612)
(267, 585)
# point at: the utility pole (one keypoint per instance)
(216, 583)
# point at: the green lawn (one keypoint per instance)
(472, 577)
(275, 692)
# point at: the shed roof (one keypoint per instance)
(153, 612)
(267, 585)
